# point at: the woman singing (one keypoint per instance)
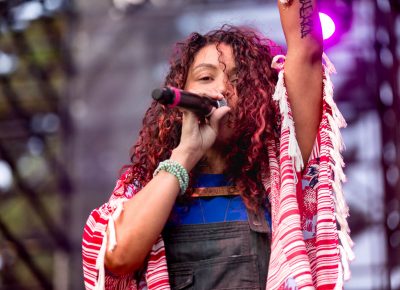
(247, 198)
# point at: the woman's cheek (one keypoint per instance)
(226, 128)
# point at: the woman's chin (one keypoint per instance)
(223, 142)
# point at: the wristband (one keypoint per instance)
(177, 170)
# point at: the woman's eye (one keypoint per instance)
(206, 78)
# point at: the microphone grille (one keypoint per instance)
(157, 94)
(222, 103)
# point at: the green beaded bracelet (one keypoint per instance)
(177, 170)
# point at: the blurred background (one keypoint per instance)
(75, 81)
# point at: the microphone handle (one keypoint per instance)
(173, 97)
(199, 105)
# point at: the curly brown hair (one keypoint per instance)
(254, 116)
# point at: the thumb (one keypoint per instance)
(189, 121)
(217, 115)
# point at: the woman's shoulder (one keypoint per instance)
(126, 185)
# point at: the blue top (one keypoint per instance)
(203, 210)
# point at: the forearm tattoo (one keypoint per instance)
(306, 17)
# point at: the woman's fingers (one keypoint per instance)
(217, 113)
(190, 121)
(201, 135)
(216, 117)
(209, 93)
(217, 96)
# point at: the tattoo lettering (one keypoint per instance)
(306, 17)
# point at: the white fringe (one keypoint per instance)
(336, 121)
(111, 225)
(337, 166)
(111, 240)
(280, 96)
(339, 283)
(347, 243)
(328, 92)
(337, 136)
(345, 264)
(340, 203)
(278, 62)
(337, 142)
(328, 64)
(100, 265)
(342, 221)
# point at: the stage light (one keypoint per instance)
(124, 4)
(328, 26)
(6, 176)
(8, 63)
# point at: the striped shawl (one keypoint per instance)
(308, 249)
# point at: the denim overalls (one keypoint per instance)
(216, 243)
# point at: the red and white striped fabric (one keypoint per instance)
(308, 251)
(320, 262)
(95, 243)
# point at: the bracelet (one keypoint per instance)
(177, 170)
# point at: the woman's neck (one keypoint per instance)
(213, 162)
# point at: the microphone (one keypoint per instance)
(173, 97)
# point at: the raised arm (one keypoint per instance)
(303, 68)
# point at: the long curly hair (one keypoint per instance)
(254, 116)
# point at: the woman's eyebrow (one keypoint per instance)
(205, 65)
(233, 71)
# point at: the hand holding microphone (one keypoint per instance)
(196, 136)
(174, 97)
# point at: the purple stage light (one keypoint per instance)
(328, 26)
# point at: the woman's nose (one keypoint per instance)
(222, 87)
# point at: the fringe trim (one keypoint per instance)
(111, 224)
(347, 243)
(336, 121)
(278, 62)
(280, 96)
(345, 264)
(328, 64)
(100, 265)
(339, 282)
(111, 240)
(328, 90)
